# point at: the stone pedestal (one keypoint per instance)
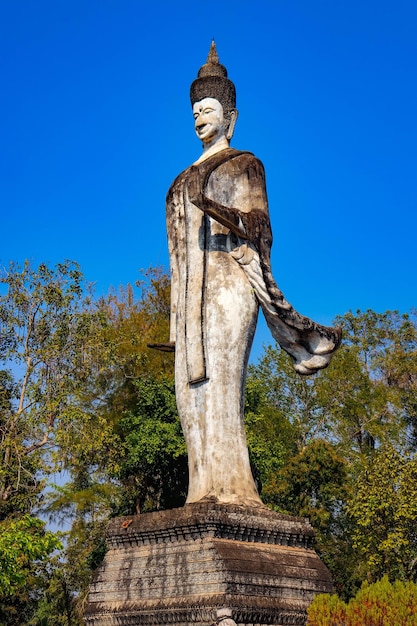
(203, 561)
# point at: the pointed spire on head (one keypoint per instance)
(212, 66)
(212, 56)
(212, 82)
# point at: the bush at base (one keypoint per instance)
(379, 604)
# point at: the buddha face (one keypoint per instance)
(209, 122)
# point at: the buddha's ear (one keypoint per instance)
(233, 117)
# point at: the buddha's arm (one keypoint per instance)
(229, 217)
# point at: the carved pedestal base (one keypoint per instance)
(204, 561)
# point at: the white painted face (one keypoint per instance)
(209, 122)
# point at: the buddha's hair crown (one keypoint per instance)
(212, 82)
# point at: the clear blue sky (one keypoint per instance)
(95, 123)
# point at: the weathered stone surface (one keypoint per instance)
(185, 565)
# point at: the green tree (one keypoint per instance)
(154, 470)
(135, 318)
(290, 398)
(45, 337)
(398, 368)
(364, 390)
(25, 546)
(313, 484)
(383, 507)
(50, 352)
(271, 437)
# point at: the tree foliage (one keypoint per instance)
(384, 509)
(45, 337)
(380, 357)
(313, 484)
(25, 546)
(293, 398)
(154, 471)
(132, 323)
(271, 437)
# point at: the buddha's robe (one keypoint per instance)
(219, 239)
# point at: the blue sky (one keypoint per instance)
(95, 123)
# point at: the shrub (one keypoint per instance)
(380, 604)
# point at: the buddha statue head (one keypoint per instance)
(213, 95)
